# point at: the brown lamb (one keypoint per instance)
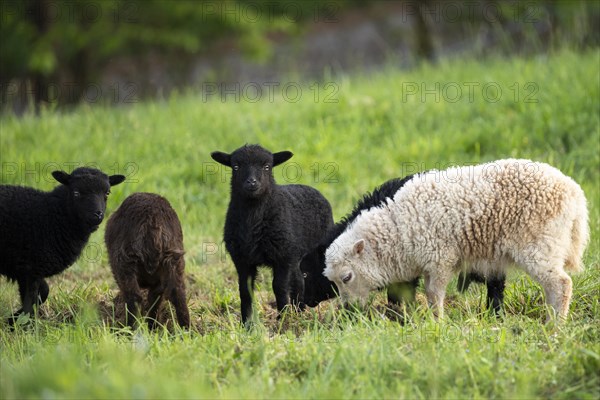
(145, 247)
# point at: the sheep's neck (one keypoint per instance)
(255, 205)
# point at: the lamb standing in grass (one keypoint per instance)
(269, 224)
(145, 246)
(481, 219)
(43, 233)
(318, 288)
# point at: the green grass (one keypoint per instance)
(374, 132)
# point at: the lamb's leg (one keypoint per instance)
(297, 288)
(155, 297)
(559, 295)
(27, 293)
(43, 291)
(557, 286)
(495, 293)
(435, 290)
(133, 298)
(246, 287)
(281, 281)
(464, 281)
(32, 292)
(178, 299)
(544, 262)
(253, 274)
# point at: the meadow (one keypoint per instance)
(349, 133)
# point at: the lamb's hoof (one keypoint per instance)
(554, 320)
(287, 309)
(248, 325)
(396, 314)
(19, 319)
(11, 321)
(495, 312)
(300, 306)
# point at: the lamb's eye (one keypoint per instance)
(267, 167)
(236, 167)
(347, 277)
(76, 194)
(304, 275)
(107, 193)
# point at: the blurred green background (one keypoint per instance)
(61, 52)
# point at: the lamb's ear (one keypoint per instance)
(221, 158)
(62, 177)
(359, 247)
(281, 157)
(115, 179)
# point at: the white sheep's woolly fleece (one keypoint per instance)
(478, 218)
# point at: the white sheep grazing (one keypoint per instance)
(479, 218)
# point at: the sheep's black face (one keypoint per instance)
(317, 287)
(89, 201)
(252, 165)
(88, 191)
(252, 176)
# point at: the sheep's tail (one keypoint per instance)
(154, 246)
(580, 235)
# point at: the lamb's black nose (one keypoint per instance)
(99, 215)
(251, 181)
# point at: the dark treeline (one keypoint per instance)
(58, 52)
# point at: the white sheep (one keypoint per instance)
(476, 218)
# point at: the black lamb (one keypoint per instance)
(318, 288)
(43, 233)
(269, 224)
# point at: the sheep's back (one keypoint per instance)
(144, 230)
(309, 212)
(19, 207)
(477, 209)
